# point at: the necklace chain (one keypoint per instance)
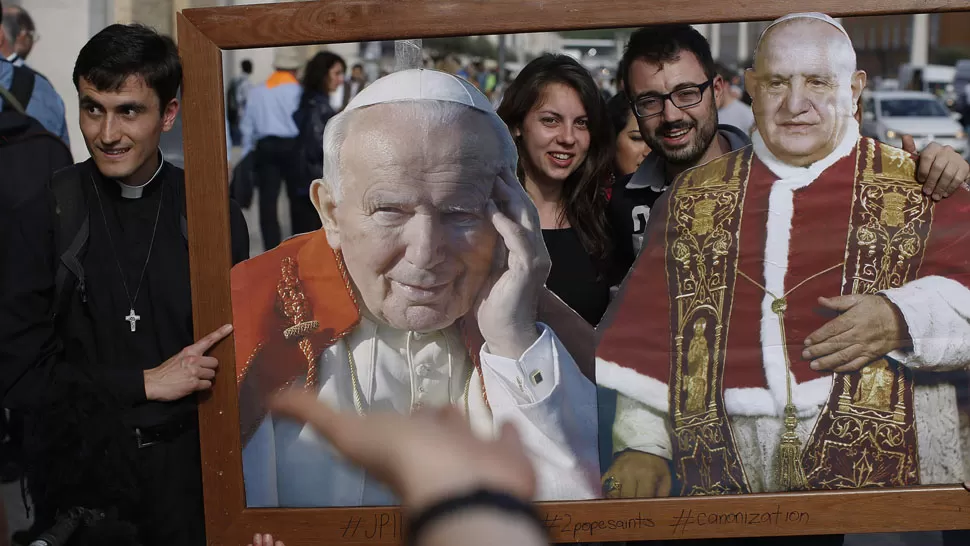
(132, 317)
(358, 396)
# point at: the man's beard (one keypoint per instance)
(692, 153)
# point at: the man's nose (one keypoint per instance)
(110, 130)
(797, 101)
(671, 112)
(426, 240)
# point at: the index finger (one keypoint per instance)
(306, 408)
(930, 168)
(202, 346)
(909, 145)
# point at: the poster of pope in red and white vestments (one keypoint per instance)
(798, 317)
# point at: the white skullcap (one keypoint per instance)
(421, 85)
(808, 15)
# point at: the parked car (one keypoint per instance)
(887, 115)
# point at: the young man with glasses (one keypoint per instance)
(671, 77)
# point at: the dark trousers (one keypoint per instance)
(167, 478)
(170, 511)
(275, 166)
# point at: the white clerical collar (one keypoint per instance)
(803, 176)
(135, 192)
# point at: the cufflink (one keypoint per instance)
(536, 377)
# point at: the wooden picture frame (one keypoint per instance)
(204, 32)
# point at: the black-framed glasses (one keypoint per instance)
(648, 106)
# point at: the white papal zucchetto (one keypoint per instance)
(420, 84)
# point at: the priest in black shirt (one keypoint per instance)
(114, 310)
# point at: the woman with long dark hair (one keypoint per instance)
(558, 118)
(324, 74)
(630, 146)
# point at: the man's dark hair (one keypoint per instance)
(24, 20)
(663, 44)
(358, 65)
(725, 72)
(120, 51)
(618, 107)
(247, 66)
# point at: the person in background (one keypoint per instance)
(353, 85)
(20, 34)
(236, 97)
(631, 149)
(324, 75)
(268, 129)
(730, 109)
(564, 137)
(44, 104)
(562, 131)
(116, 323)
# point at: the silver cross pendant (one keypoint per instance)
(132, 318)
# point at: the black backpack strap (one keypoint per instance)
(10, 102)
(72, 229)
(22, 86)
(183, 220)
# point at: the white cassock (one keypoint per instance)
(936, 311)
(286, 464)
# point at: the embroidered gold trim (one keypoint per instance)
(866, 434)
(702, 235)
(297, 309)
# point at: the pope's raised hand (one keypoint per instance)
(507, 305)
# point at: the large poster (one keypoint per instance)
(421, 290)
(797, 319)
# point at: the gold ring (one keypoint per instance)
(611, 484)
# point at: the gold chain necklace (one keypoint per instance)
(791, 475)
(358, 393)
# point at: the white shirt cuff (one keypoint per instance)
(937, 314)
(533, 376)
(641, 428)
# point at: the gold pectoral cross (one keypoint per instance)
(791, 474)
